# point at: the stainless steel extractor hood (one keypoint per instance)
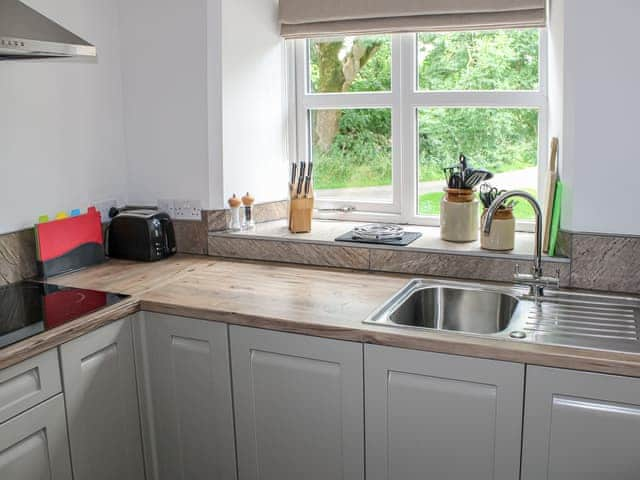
(25, 33)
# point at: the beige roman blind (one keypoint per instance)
(314, 18)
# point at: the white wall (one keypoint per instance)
(61, 133)
(203, 85)
(254, 112)
(600, 159)
(164, 62)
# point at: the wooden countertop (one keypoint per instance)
(313, 301)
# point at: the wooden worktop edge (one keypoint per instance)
(572, 358)
(30, 347)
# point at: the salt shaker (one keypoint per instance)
(247, 206)
(234, 205)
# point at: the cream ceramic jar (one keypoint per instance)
(503, 231)
(459, 215)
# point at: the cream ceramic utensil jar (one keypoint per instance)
(459, 215)
(503, 231)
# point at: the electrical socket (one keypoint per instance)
(167, 206)
(103, 207)
(188, 209)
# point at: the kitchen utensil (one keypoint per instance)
(477, 177)
(294, 169)
(248, 221)
(549, 193)
(405, 240)
(455, 181)
(378, 231)
(307, 183)
(464, 165)
(488, 194)
(448, 172)
(69, 244)
(555, 220)
(301, 179)
(301, 202)
(234, 205)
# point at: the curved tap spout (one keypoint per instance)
(537, 261)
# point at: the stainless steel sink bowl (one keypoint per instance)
(454, 308)
(560, 317)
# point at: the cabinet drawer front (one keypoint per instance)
(439, 415)
(581, 426)
(34, 445)
(31, 382)
(299, 406)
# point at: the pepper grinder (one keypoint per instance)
(247, 206)
(234, 204)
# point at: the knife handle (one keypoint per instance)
(307, 186)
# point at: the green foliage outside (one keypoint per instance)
(496, 139)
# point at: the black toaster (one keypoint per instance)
(142, 235)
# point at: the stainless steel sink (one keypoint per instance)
(606, 322)
(459, 309)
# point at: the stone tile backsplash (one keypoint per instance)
(17, 256)
(466, 267)
(598, 262)
(605, 262)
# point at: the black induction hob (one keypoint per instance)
(28, 308)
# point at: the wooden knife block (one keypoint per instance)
(300, 214)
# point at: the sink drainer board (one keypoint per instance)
(575, 319)
(590, 320)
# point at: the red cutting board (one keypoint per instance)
(70, 243)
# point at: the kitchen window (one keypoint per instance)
(381, 116)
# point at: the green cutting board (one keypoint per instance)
(555, 219)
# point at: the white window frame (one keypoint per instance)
(404, 100)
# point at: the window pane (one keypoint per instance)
(351, 151)
(350, 64)
(501, 140)
(485, 60)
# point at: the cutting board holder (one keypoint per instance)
(300, 214)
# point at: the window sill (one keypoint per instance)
(325, 231)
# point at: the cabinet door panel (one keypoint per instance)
(102, 404)
(440, 416)
(28, 383)
(187, 397)
(581, 426)
(34, 445)
(298, 406)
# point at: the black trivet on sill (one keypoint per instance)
(406, 239)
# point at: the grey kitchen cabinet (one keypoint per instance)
(34, 444)
(99, 381)
(441, 416)
(29, 383)
(580, 426)
(187, 411)
(298, 406)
